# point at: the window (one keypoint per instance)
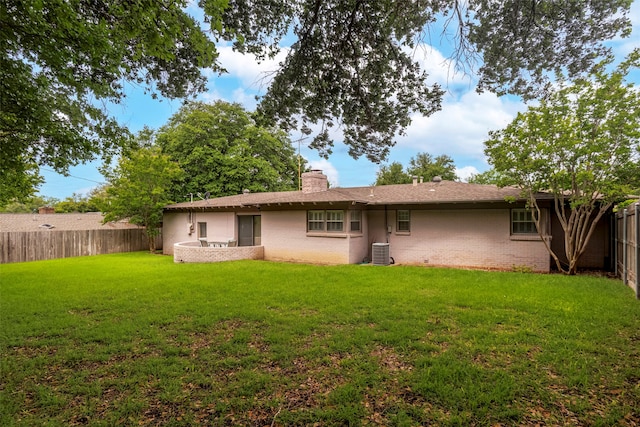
(404, 221)
(315, 221)
(332, 220)
(355, 220)
(202, 229)
(522, 222)
(335, 220)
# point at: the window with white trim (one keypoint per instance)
(403, 223)
(522, 222)
(335, 220)
(329, 220)
(315, 221)
(355, 220)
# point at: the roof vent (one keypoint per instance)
(47, 226)
(246, 191)
(436, 178)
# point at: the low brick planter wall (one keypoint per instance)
(193, 252)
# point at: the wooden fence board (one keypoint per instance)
(20, 246)
(627, 246)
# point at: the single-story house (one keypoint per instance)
(439, 223)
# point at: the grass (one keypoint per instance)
(134, 339)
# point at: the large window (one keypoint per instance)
(329, 220)
(403, 221)
(522, 222)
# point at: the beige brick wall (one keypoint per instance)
(458, 238)
(465, 238)
(220, 226)
(191, 252)
(284, 237)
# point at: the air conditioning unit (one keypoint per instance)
(380, 254)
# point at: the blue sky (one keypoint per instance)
(458, 130)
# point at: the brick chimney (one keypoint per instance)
(46, 210)
(314, 181)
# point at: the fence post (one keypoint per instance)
(637, 272)
(624, 246)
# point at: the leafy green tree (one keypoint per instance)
(582, 145)
(223, 151)
(62, 61)
(350, 64)
(425, 165)
(139, 189)
(422, 165)
(19, 179)
(29, 205)
(487, 177)
(77, 203)
(392, 174)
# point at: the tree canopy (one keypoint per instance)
(392, 174)
(223, 151)
(62, 61)
(423, 165)
(581, 144)
(139, 189)
(350, 65)
(352, 62)
(488, 177)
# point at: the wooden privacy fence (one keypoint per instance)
(20, 246)
(627, 244)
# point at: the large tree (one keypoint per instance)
(392, 174)
(223, 151)
(139, 188)
(422, 165)
(582, 145)
(62, 61)
(351, 63)
(426, 166)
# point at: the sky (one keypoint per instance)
(458, 130)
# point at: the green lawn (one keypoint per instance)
(134, 339)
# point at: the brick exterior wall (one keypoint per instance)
(284, 237)
(191, 252)
(314, 181)
(478, 238)
(175, 227)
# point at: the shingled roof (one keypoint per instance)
(60, 221)
(402, 194)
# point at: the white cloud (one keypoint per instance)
(441, 70)
(211, 96)
(253, 74)
(465, 172)
(462, 126)
(247, 100)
